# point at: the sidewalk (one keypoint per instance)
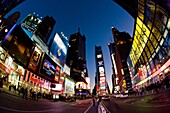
(162, 97)
(15, 93)
(91, 109)
(6, 90)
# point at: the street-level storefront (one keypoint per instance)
(36, 83)
(11, 71)
(15, 78)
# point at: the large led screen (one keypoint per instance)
(49, 68)
(34, 60)
(18, 45)
(31, 23)
(69, 86)
(59, 48)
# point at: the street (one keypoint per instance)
(15, 104)
(155, 103)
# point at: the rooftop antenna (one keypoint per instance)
(78, 29)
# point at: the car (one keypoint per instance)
(106, 97)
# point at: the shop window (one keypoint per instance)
(141, 8)
(149, 15)
(160, 12)
(140, 15)
(159, 24)
(165, 35)
(157, 33)
(168, 24)
(150, 47)
(151, 64)
(147, 52)
(166, 44)
(153, 40)
(141, 1)
(151, 4)
(142, 60)
(149, 23)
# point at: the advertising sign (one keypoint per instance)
(34, 60)
(101, 71)
(18, 44)
(48, 67)
(69, 86)
(58, 48)
(57, 73)
(102, 82)
(100, 63)
(58, 87)
(31, 22)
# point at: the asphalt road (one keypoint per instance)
(14, 104)
(157, 103)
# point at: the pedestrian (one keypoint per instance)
(93, 101)
(25, 92)
(1, 81)
(19, 90)
(99, 99)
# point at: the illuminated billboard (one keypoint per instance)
(49, 68)
(100, 63)
(18, 44)
(69, 86)
(57, 73)
(34, 60)
(59, 48)
(57, 87)
(31, 23)
(101, 71)
(102, 82)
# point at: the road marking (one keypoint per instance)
(155, 106)
(88, 108)
(21, 111)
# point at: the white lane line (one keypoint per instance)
(21, 111)
(88, 108)
(151, 106)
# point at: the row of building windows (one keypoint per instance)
(151, 42)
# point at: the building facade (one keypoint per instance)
(8, 5)
(100, 79)
(76, 60)
(122, 46)
(150, 53)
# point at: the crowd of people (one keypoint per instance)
(152, 88)
(1, 82)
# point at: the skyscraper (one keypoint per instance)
(76, 56)
(121, 50)
(100, 79)
(114, 68)
(8, 5)
(7, 23)
(151, 40)
(45, 28)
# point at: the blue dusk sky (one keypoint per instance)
(95, 19)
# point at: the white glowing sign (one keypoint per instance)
(69, 86)
(60, 43)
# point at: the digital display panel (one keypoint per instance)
(49, 67)
(34, 60)
(14, 42)
(57, 73)
(103, 82)
(31, 22)
(59, 48)
(69, 86)
(100, 63)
